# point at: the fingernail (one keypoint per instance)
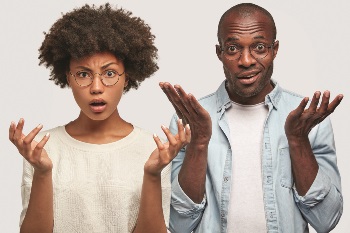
(12, 123)
(341, 97)
(47, 135)
(180, 121)
(326, 93)
(155, 135)
(187, 126)
(39, 126)
(318, 94)
(20, 120)
(163, 126)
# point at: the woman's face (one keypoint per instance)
(97, 101)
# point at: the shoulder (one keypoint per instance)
(143, 137)
(290, 99)
(54, 132)
(142, 133)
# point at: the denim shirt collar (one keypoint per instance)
(223, 101)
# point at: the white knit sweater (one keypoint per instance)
(97, 188)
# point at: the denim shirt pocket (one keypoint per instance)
(285, 168)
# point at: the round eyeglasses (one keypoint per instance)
(234, 52)
(85, 78)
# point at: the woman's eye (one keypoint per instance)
(83, 74)
(109, 73)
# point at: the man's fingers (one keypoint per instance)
(175, 100)
(334, 104)
(314, 101)
(185, 98)
(300, 109)
(197, 106)
(324, 103)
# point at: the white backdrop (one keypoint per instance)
(314, 55)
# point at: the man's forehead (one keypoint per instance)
(247, 20)
(253, 23)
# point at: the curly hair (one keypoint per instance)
(90, 29)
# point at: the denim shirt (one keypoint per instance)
(285, 210)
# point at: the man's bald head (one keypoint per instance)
(244, 10)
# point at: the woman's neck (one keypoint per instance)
(105, 131)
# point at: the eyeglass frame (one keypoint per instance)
(93, 75)
(268, 47)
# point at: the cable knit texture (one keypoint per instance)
(97, 188)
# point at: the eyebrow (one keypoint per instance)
(232, 39)
(102, 67)
(259, 37)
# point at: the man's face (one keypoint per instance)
(248, 76)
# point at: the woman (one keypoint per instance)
(98, 172)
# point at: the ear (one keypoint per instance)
(218, 52)
(275, 48)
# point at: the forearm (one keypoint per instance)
(322, 207)
(304, 164)
(39, 216)
(193, 171)
(151, 218)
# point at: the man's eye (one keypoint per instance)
(260, 47)
(109, 73)
(83, 74)
(232, 49)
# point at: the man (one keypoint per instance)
(259, 159)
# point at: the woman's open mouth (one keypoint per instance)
(97, 105)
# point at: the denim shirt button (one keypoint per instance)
(225, 179)
(269, 179)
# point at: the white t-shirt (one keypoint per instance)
(97, 188)
(246, 209)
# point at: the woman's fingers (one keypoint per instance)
(27, 140)
(17, 136)
(12, 131)
(172, 140)
(159, 143)
(188, 133)
(37, 152)
(181, 131)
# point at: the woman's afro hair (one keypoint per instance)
(90, 29)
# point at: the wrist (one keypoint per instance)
(153, 177)
(43, 173)
(297, 141)
(199, 144)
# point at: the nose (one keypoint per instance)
(96, 86)
(246, 58)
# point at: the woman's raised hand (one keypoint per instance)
(166, 152)
(31, 150)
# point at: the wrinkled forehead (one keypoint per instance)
(254, 25)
